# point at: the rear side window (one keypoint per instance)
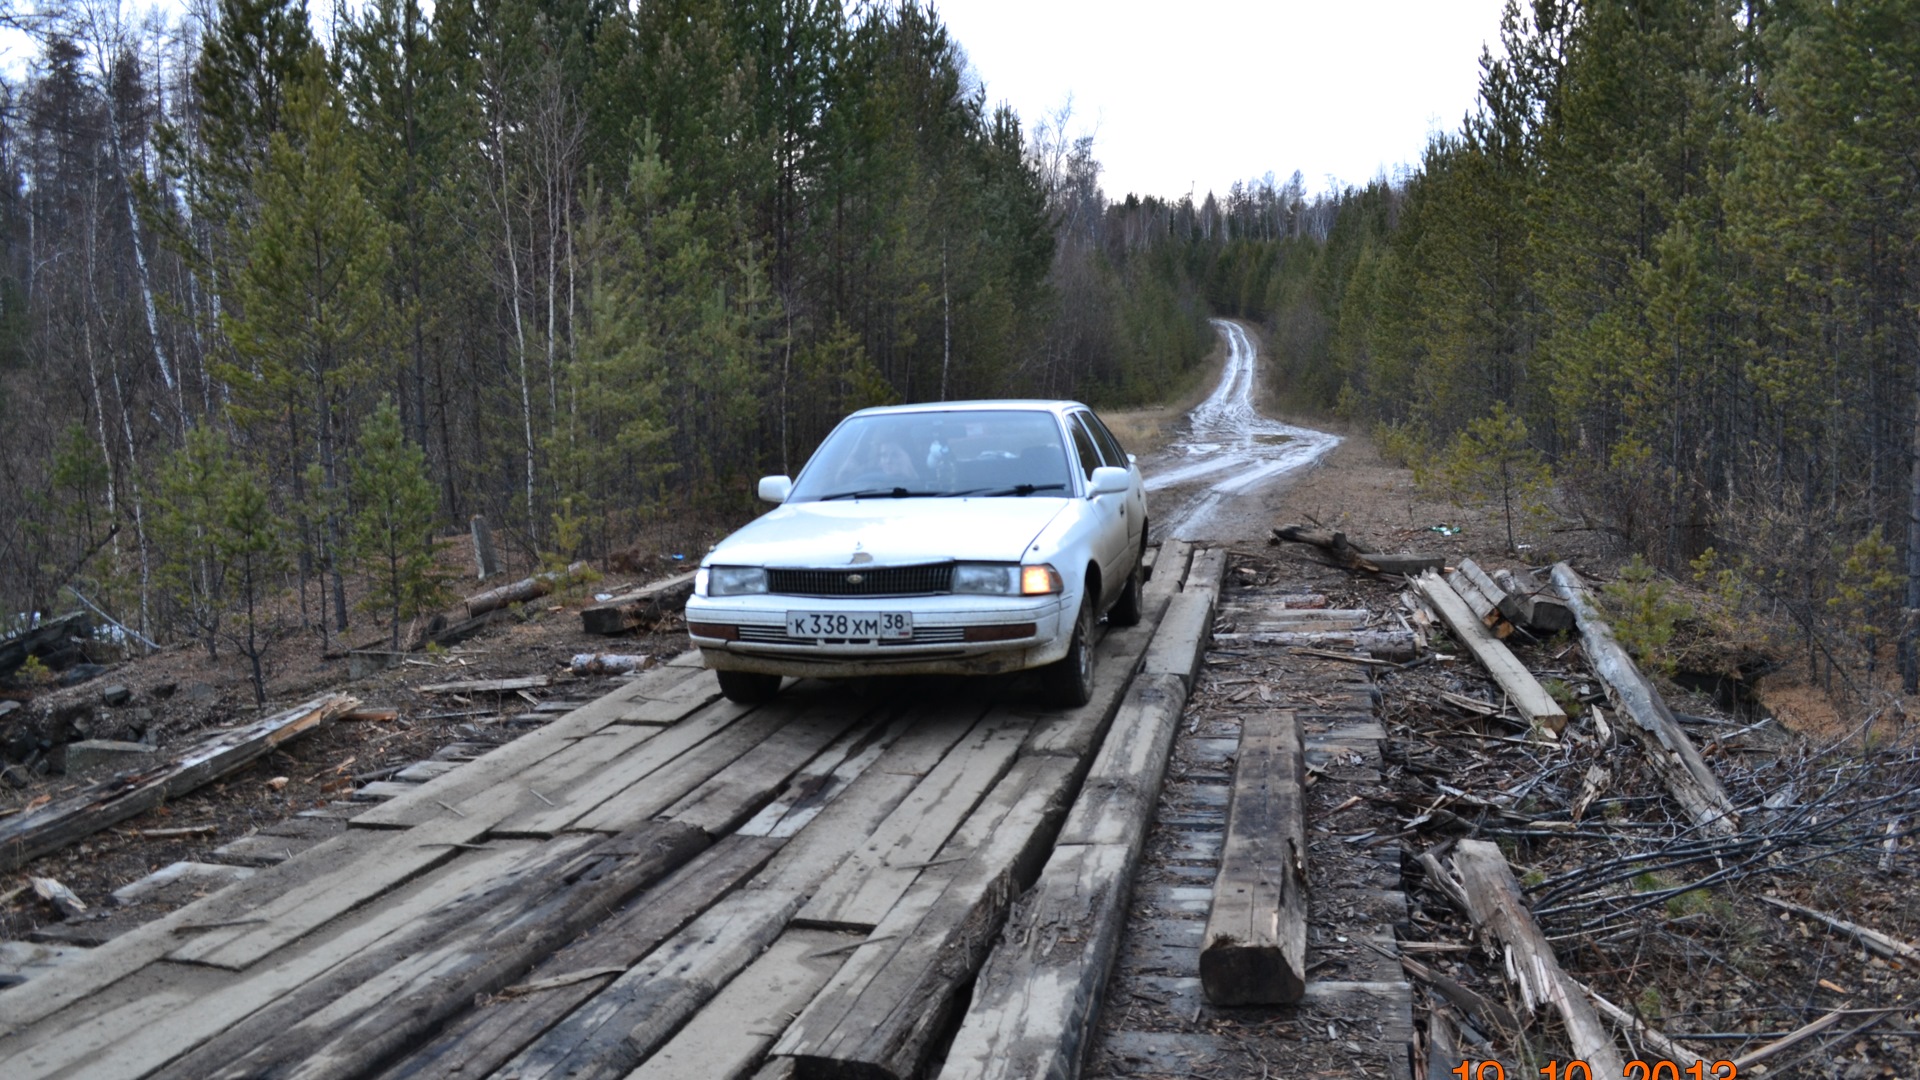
(1109, 446)
(1083, 444)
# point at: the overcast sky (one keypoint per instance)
(1196, 95)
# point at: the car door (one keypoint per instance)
(1136, 501)
(1107, 513)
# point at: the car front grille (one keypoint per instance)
(777, 635)
(863, 581)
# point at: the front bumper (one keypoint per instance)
(748, 633)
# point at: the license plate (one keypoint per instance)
(852, 625)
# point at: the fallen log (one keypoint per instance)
(1670, 752)
(641, 606)
(1885, 945)
(521, 591)
(1522, 689)
(1493, 899)
(487, 686)
(1345, 551)
(1255, 947)
(110, 802)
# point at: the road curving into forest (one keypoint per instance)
(1227, 449)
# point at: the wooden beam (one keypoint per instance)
(642, 605)
(1255, 950)
(1482, 595)
(1494, 901)
(487, 686)
(519, 592)
(1522, 689)
(26, 836)
(1669, 751)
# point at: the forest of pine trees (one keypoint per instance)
(1676, 250)
(279, 300)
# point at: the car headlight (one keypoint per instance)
(991, 579)
(735, 580)
(1040, 580)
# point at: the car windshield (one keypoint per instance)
(969, 453)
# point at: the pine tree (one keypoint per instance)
(189, 527)
(253, 546)
(392, 521)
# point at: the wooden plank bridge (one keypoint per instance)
(662, 883)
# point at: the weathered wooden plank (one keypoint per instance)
(486, 1038)
(98, 968)
(609, 777)
(1493, 899)
(1396, 645)
(729, 1038)
(613, 1031)
(1170, 562)
(1209, 568)
(634, 803)
(740, 790)
(1482, 595)
(1116, 802)
(1180, 639)
(133, 1050)
(1039, 994)
(879, 1014)
(1522, 689)
(549, 906)
(1694, 786)
(628, 610)
(873, 877)
(672, 704)
(510, 760)
(1256, 940)
(823, 779)
(29, 835)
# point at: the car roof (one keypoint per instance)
(1003, 404)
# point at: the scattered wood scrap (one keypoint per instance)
(487, 686)
(1886, 945)
(1345, 551)
(1670, 752)
(1522, 689)
(1493, 899)
(639, 607)
(1483, 596)
(519, 592)
(1524, 603)
(98, 806)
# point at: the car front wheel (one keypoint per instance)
(1126, 610)
(1068, 682)
(748, 687)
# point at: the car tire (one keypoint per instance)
(1126, 610)
(1068, 681)
(748, 687)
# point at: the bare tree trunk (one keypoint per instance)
(1910, 628)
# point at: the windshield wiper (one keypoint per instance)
(878, 493)
(1017, 489)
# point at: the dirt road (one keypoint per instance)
(1227, 452)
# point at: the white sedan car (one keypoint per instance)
(952, 538)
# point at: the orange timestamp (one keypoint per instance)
(1580, 1070)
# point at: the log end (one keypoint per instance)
(1233, 972)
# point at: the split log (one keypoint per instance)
(1669, 751)
(1526, 605)
(93, 808)
(1522, 689)
(1493, 899)
(1342, 550)
(1482, 595)
(1255, 950)
(521, 591)
(641, 606)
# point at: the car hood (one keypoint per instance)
(889, 532)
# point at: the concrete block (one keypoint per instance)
(102, 756)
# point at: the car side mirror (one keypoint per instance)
(1108, 480)
(775, 489)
